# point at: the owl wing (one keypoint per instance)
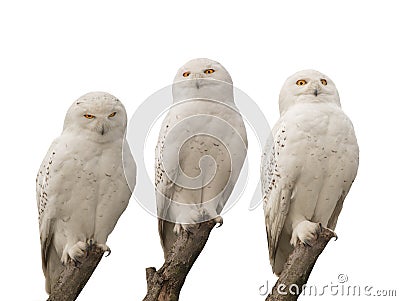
(350, 153)
(237, 154)
(42, 178)
(276, 188)
(45, 211)
(351, 171)
(129, 165)
(334, 217)
(164, 185)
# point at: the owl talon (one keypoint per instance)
(334, 234)
(78, 250)
(306, 232)
(178, 228)
(76, 262)
(90, 244)
(218, 220)
(105, 249)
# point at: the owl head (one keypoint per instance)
(307, 86)
(99, 115)
(202, 78)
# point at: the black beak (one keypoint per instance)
(315, 92)
(102, 130)
(197, 84)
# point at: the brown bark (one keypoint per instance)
(74, 276)
(298, 268)
(166, 283)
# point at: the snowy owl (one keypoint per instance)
(81, 187)
(308, 171)
(201, 149)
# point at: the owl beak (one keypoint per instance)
(316, 92)
(197, 77)
(102, 130)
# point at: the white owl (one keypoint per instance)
(81, 186)
(308, 171)
(201, 149)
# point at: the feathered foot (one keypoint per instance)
(306, 232)
(105, 248)
(75, 252)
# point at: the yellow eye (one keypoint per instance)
(112, 114)
(324, 82)
(301, 82)
(209, 71)
(88, 116)
(186, 74)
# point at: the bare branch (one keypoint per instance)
(166, 283)
(74, 276)
(298, 268)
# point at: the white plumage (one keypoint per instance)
(308, 171)
(201, 149)
(81, 187)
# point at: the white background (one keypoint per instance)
(52, 52)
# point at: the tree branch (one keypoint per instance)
(166, 283)
(298, 268)
(74, 276)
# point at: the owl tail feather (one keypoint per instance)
(53, 269)
(167, 235)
